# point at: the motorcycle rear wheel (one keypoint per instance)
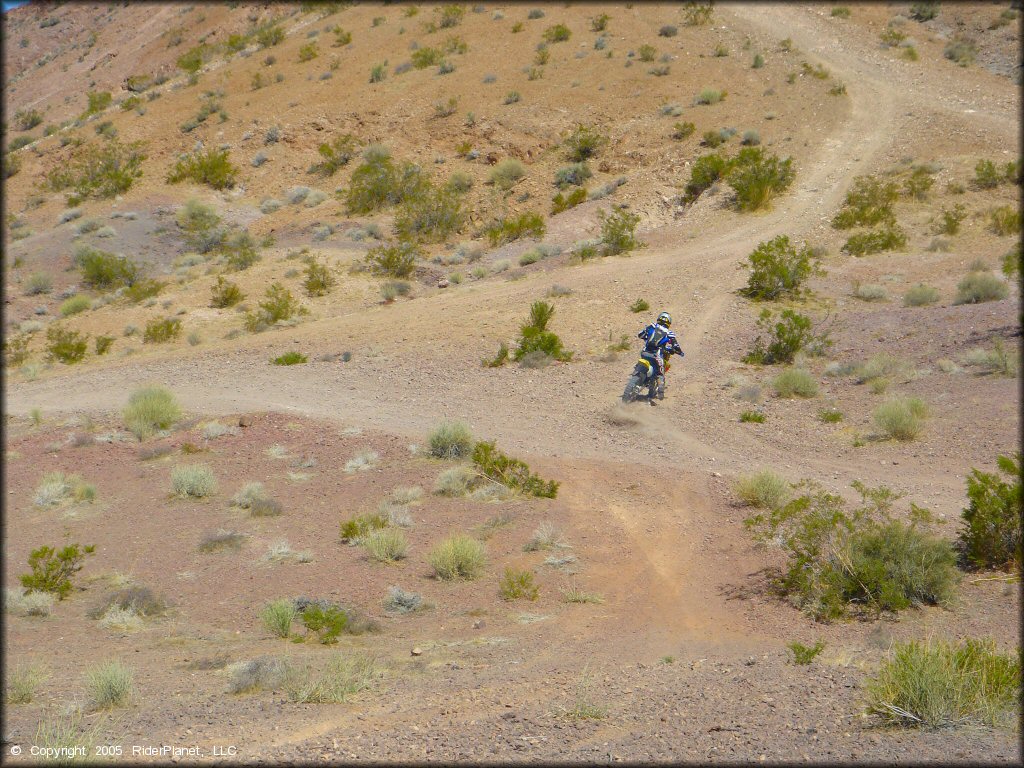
(629, 394)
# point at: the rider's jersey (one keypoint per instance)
(659, 341)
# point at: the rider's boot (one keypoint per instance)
(661, 387)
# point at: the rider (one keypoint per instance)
(660, 341)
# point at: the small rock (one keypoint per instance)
(417, 651)
(245, 421)
(442, 284)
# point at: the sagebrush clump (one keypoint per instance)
(150, 409)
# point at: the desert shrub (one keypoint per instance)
(386, 544)
(27, 119)
(400, 601)
(57, 488)
(278, 616)
(936, 683)
(264, 673)
(150, 409)
(763, 489)
(225, 294)
(534, 336)
(901, 418)
(378, 182)
(1005, 220)
(101, 269)
(778, 268)
(74, 305)
(269, 35)
(364, 460)
(458, 557)
(682, 131)
(791, 333)
(278, 306)
(869, 292)
(354, 529)
(51, 570)
(318, 281)
(327, 621)
(978, 287)
(795, 382)
(512, 473)
(214, 542)
(194, 481)
(143, 289)
(201, 226)
(862, 559)
(920, 295)
(559, 33)
(986, 175)
(562, 202)
(450, 440)
(918, 183)
(618, 231)
(108, 685)
(212, 167)
(924, 11)
(339, 679)
(456, 481)
(991, 532)
(961, 50)
(647, 52)
(37, 283)
(16, 350)
(572, 175)
(949, 220)
(805, 654)
(433, 215)
(706, 171)
(756, 177)
(506, 173)
(65, 345)
(100, 171)
(336, 154)
(710, 96)
(159, 331)
(868, 202)
(397, 259)
(528, 224)
(22, 683)
(891, 237)
(583, 143)
(752, 417)
(697, 14)
(1000, 359)
(136, 600)
(518, 584)
(290, 358)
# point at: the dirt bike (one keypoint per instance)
(645, 375)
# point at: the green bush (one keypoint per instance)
(889, 238)
(290, 358)
(269, 35)
(278, 306)
(101, 269)
(74, 305)
(559, 33)
(830, 415)
(328, 622)
(150, 409)
(757, 177)
(511, 473)
(1000, 359)
(1005, 220)
(432, 215)
(528, 224)
(16, 350)
(869, 202)
(308, 52)
(791, 333)
(618, 231)
(425, 57)
(986, 175)
(764, 489)
(681, 131)
(861, 560)
(573, 175)
(500, 358)
(354, 529)
(804, 654)
(143, 289)
(518, 584)
(340, 678)
(386, 545)
(937, 684)
(534, 336)
(225, 294)
(639, 306)
(901, 418)
(920, 295)
(51, 570)
(450, 440)
(97, 102)
(706, 171)
(561, 202)
(195, 481)
(978, 287)
(795, 382)
(378, 182)
(240, 251)
(752, 417)
(109, 685)
(201, 226)
(505, 174)
(212, 167)
(159, 331)
(27, 119)
(961, 50)
(583, 143)
(336, 155)
(778, 268)
(37, 283)
(396, 259)
(710, 96)
(278, 617)
(318, 281)
(458, 557)
(991, 533)
(918, 183)
(100, 171)
(65, 345)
